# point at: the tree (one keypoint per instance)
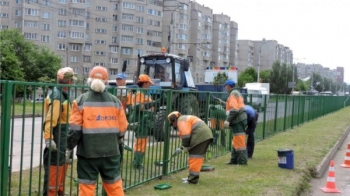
(247, 76)
(24, 58)
(265, 76)
(220, 78)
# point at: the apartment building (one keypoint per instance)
(221, 40)
(87, 33)
(245, 53)
(234, 44)
(305, 71)
(201, 38)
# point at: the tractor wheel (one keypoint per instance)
(189, 105)
(159, 126)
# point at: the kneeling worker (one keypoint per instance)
(196, 137)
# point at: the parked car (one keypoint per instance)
(38, 100)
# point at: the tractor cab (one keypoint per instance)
(166, 70)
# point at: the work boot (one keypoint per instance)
(231, 163)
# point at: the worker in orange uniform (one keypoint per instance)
(57, 109)
(145, 108)
(196, 137)
(237, 121)
(97, 123)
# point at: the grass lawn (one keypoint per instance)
(310, 142)
(28, 108)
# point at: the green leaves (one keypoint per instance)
(22, 60)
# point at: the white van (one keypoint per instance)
(256, 97)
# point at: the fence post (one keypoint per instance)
(5, 135)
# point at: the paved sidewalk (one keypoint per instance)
(342, 175)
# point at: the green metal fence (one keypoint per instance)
(21, 138)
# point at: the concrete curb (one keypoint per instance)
(321, 168)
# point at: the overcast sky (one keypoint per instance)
(318, 31)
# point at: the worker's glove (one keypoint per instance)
(68, 156)
(185, 149)
(227, 112)
(50, 144)
(226, 124)
(178, 151)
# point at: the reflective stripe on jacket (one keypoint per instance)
(98, 121)
(57, 110)
(192, 130)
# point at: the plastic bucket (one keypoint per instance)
(285, 158)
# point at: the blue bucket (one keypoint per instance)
(285, 158)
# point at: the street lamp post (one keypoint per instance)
(259, 60)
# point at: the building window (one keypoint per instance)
(113, 60)
(78, 23)
(18, 1)
(30, 24)
(18, 12)
(4, 27)
(31, 12)
(101, 19)
(128, 17)
(128, 5)
(61, 34)
(154, 12)
(115, 6)
(78, 1)
(138, 51)
(87, 47)
(127, 27)
(140, 8)
(99, 64)
(114, 40)
(87, 59)
(113, 49)
(113, 71)
(45, 2)
(139, 19)
(126, 51)
(100, 53)
(45, 27)
(30, 36)
(18, 24)
(115, 28)
(126, 38)
(62, 12)
(100, 41)
(61, 46)
(74, 59)
(62, 23)
(45, 14)
(77, 34)
(115, 17)
(139, 30)
(100, 8)
(74, 47)
(86, 70)
(62, 1)
(45, 38)
(139, 41)
(101, 31)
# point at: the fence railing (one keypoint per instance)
(22, 145)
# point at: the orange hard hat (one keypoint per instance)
(99, 72)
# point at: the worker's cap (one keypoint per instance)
(99, 72)
(144, 78)
(230, 83)
(66, 73)
(173, 116)
(121, 76)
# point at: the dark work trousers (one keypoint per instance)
(252, 122)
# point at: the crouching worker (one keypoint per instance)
(196, 137)
(97, 123)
